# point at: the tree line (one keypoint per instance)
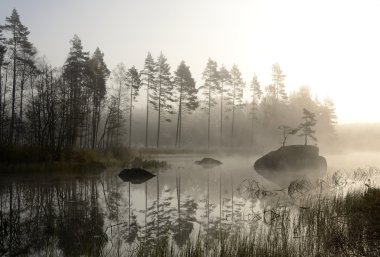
(84, 105)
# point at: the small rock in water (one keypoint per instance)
(135, 175)
(208, 162)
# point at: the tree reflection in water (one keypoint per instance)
(49, 218)
(96, 216)
(104, 216)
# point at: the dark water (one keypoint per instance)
(65, 215)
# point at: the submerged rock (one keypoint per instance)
(291, 162)
(208, 162)
(135, 175)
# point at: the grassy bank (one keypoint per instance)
(35, 159)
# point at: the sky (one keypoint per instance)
(331, 46)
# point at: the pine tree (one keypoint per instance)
(328, 111)
(307, 125)
(75, 74)
(26, 63)
(270, 95)
(187, 96)
(274, 99)
(256, 94)
(211, 86)
(3, 50)
(256, 88)
(133, 84)
(162, 93)
(236, 94)
(278, 82)
(19, 46)
(99, 76)
(148, 80)
(224, 82)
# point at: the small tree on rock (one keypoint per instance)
(307, 125)
(286, 130)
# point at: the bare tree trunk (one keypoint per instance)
(221, 115)
(19, 130)
(129, 208)
(158, 208)
(34, 125)
(252, 129)
(208, 202)
(178, 186)
(178, 134)
(118, 113)
(253, 118)
(233, 115)
(5, 91)
(1, 116)
(13, 95)
(220, 206)
(53, 113)
(94, 111)
(147, 114)
(3, 109)
(232, 200)
(177, 131)
(104, 130)
(159, 116)
(209, 117)
(10, 219)
(146, 210)
(180, 130)
(130, 117)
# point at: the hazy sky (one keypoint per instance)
(332, 46)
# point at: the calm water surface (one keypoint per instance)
(103, 216)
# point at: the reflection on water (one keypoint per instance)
(39, 217)
(104, 216)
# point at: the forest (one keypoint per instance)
(85, 105)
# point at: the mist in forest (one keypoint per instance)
(86, 103)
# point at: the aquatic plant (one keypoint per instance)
(139, 162)
(327, 226)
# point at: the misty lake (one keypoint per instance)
(101, 215)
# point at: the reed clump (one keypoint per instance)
(336, 225)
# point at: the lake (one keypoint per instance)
(66, 215)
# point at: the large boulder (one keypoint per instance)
(291, 162)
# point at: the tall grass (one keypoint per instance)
(337, 225)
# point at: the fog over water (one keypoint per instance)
(112, 209)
